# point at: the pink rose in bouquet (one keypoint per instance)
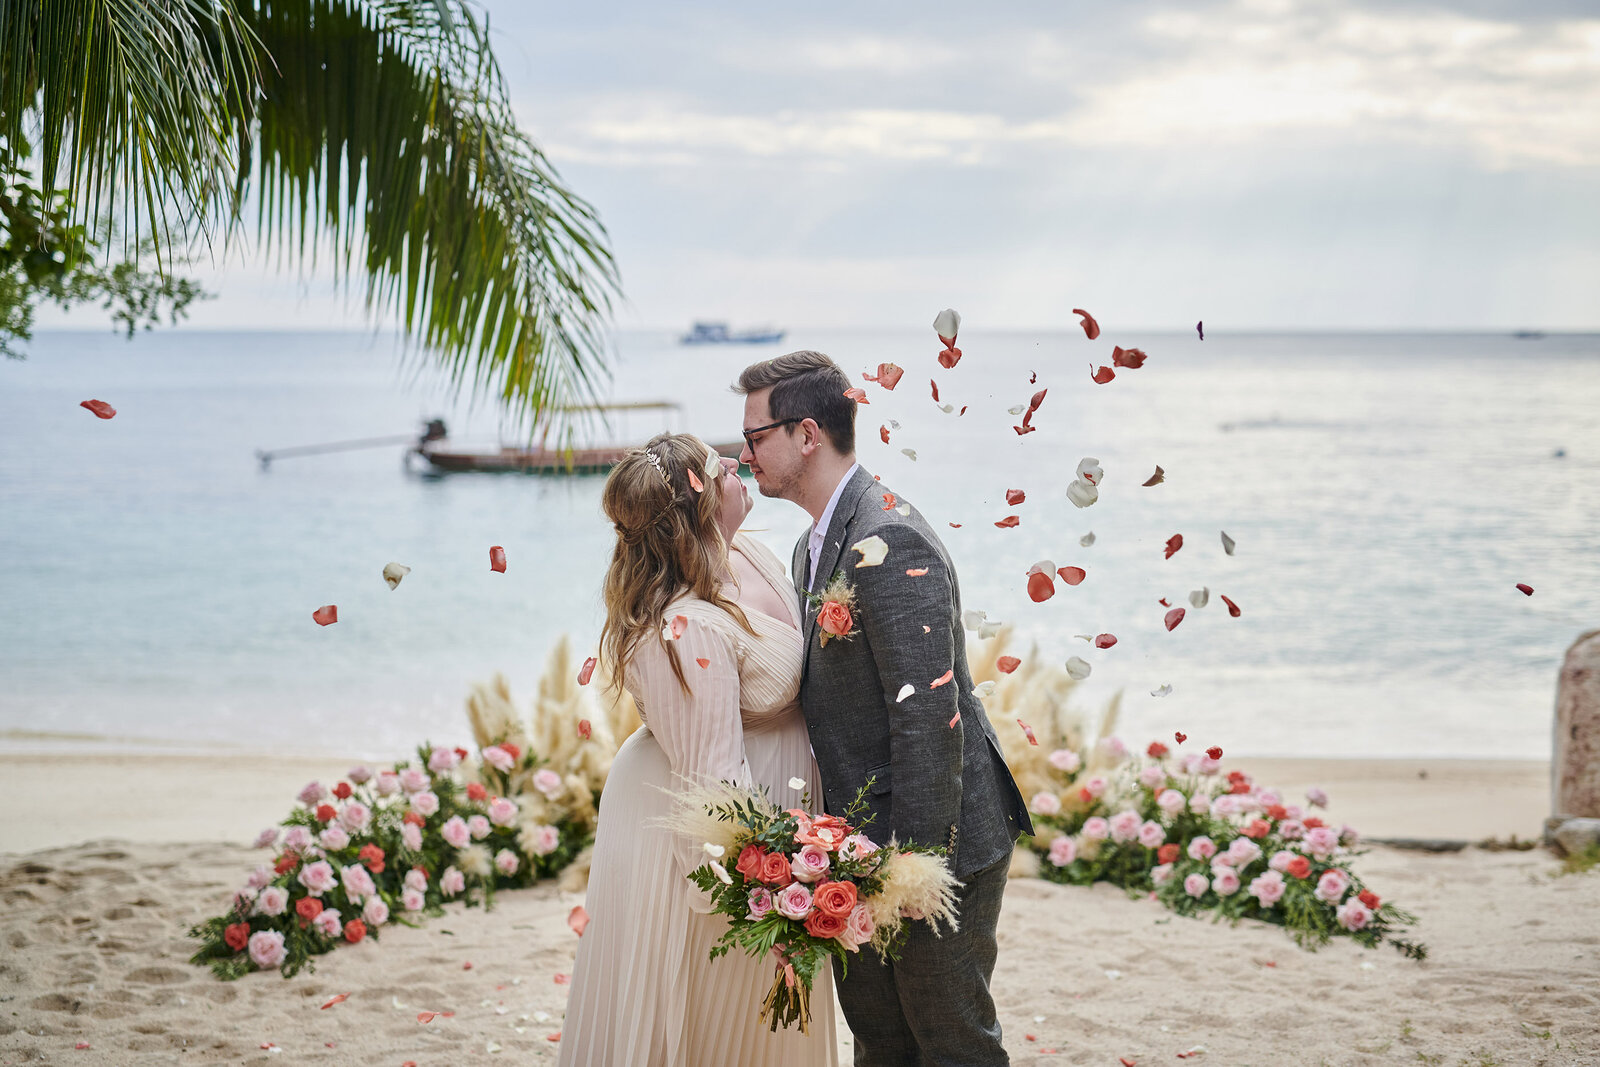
(414, 780)
(375, 911)
(312, 793)
(260, 877)
(266, 949)
(507, 862)
(327, 923)
(1096, 828)
(543, 839)
(1095, 787)
(417, 878)
(1161, 873)
(1045, 802)
(857, 847)
(1268, 797)
(548, 782)
(411, 837)
(355, 816)
(334, 838)
(858, 928)
(809, 864)
(1202, 848)
(1065, 760)
(412, 900)
(442, 760)
(425, 803)
(498, 758)
(1281, 859)
(358, 883)
(1113, 749)
(452, 882)
(1348, 837)
(272, 901)
(298, 839)
(1208, 765)
(388, 783)
(1063, 850)
(1125, 826)
(1353, 915)
(1152, 777)
(760, 903)
(478, 826)
(1331, 887)
(1242, 852)
(318, 877)
(455, 832)
(1196, 885)
(1226, 806)
(1316, 797)
(1225, 881)
(1172, 801)
(1200, 804)
(1321, 842)
(794, 901)
(1267, 888)
(1291, 829)
(502, 812)
(1151, 834)
(266, 838)
(359, 775)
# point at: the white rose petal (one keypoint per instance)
(797, 783)
(716, 852)
(492, 1047)
(947, 408)
(872, 550)
(909, 453)
(905, 691)
(1113, 975)
(1227, 543)
(988, 628)
(1200, 597)
(983, 689)
(1082, 493)
(721, 872)
(1087, 539)
(393, 572)
(972, 618)
(1018, 410)
(1165, 690)
(1078, 668)
(1089, 470)
(713, 464)
(946, 323)
(893, 425)
(904, 509)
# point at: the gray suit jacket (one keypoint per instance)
(934, 783)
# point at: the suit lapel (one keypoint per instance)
(833, 547)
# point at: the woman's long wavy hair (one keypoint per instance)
(668, 543)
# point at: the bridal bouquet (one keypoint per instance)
(806, 888)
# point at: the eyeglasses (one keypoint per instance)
(749, 435)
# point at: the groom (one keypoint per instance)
(938, 777)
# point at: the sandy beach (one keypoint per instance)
(98, 894)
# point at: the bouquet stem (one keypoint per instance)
(789, 1000)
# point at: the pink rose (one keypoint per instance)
(327, 923)
(1348, 837)
(1321, 842)
(266, 838)
(506, 861)
(441, 760)
(452, 882)
(411, 837)
(760, 902)
(1202, 848)
(414, 780)
(547, 782)
(1207, 765)
(502, 812)
(334, 838)
(1096, 829)
(808, 865)
(376, 911)
(1331, 886)
(354, 817)
(1151, 835)
(542, 839)
(359, 775)
(357, 882)
(416, 878)
(1316, 797)
(318, 877)
(412, 900)
(1268, 797)
(1295, 811)
(1161, 874)
(1152, 777)
(1225, 806)
(1045, 802)
(1196, 885)
(857, 847)
(298, 839)
(1353, 915)
(260, 877)
(1267, 888)
(425, 803)
(1063, 850)
(1242, 852)
(478, 826)
(794, 901)
(858, 928)
(312, 793)
(272, 901)
(455, 832)
(1281, 859)
(1125, 826)
(1171, 801)
(1291, 829)
(1224, 881)
(1065, 760)
(498, 758)
(1095, 786)
(1200, 804)
(1113, 748)
(266, 949)
(388, 783)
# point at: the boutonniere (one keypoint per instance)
(835, 606)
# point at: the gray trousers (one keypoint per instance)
(931, 1007)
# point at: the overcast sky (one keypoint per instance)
(1256, 163)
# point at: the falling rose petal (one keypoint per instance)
(1087, 638)
(326, 615)
(429, 1016)
(1157, 478)
(1008, 522)
(1180, 737)
(1034, 403)
(1199, 598)
(1132, 358)
(1091, 328)
(883, 432)
(101, 409)
(888, 375)
(953, 525)
(893, 424)
(1200, 328)
(1015, 497)
(497, 559)
(1073, 575)
(1127, 1062)
(888, 501)
(988, 628)
(942, 679)
(947, 324)
(1161, 691)
(905, 691)
(1027, 731)
(1233, 609)
(1041, 586)
(984, 690)
(703, 662)
(904, 509)
(1174, 543)
(585, 729)
(857, 394)
(872, 550)
(337, 998)
(935, 386)
(81, 1045)
(587, 670)
(1018, 410)
(909, 453)
(1101, 376)
(1173, 618)
(553, 1038)
(1024, 429)
(949, 358)
(1215, 751)
(1227, 543)
(1082, 493)
(695, 483)
(578, 919)
(947, 408)
(916, 572)
(1163, 602)
(1090, 471)
(678, 626)
(561, 979)
(1007, 664)
(1105, 640)
(1524, 589)
(955, 719)
(962, 412)
(1087, 539)
(393, 572)
(1078, 668)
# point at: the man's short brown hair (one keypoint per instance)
(806, 385)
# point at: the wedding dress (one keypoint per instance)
(644, 990)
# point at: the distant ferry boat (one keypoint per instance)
(716, 333)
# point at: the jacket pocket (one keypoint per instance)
(880, 780)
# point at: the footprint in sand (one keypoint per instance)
(156, 976)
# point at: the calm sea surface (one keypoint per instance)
(1386, 492)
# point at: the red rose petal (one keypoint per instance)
(100, 408)
(955, 719)
(1101, 376)
(1024, 429)
(1174, 543)
(883, 432)
(1008, 522)
(916, 572)
(81, 1045)
(1525, 590)
(704, 663)
(1180, 737)
(497, 559)
(1041, 586)
(1127, 1062)
(888, 501)
(1033, 405)
(1132, 358)
(1105, 640)
(935, 386)
(1215, 751)
(553, 1038)
(949, 358)
(680, 624)
(695, 483)
(562, 979)
(585, 730)
(962, 412)
(337, 998)
(1007, 664)
(1091, 328)
(428, 1016)
(942, 679)
(1174, 617)
(1028, 733)
(326, 615)
(578, 919)
(1157, 478)
(1015, 497)
(587, 670)
(857, 394)
(1233, 609)
(953, 525)
(1163, 602)
(1072, 575)
(888, 375)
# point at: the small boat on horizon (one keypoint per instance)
(717, 333)
(1529, 335)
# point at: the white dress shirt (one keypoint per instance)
(819, 532)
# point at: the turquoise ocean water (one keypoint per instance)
(1386, 493)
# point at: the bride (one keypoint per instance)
(705, 627)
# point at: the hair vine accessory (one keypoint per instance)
(655, 461)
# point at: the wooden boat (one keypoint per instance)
(443, 456)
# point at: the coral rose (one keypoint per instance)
(237, 935)
(822, 925)
(342, 790)
(1167, 853)
(1369, 898)
(1257, 828)
(836, 898)
(827, 832)
(308, 907)
(775, 869)
(372, 857)
(1157, 750)
(476, 791)
(326, 812)
(1299, 867)
(355, 930)
(834, 618)
(750, 860)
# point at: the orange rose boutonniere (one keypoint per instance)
(835, 610)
